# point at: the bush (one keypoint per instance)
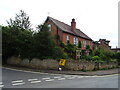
(103, 53)
(117, 56)
(86, 57)
(95, 58)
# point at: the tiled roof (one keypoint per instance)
(67, 28)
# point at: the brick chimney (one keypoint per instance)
(73, 25)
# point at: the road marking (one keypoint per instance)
(15, 84)
(110, 75)
(49, 80)
(71, 77)
(46, 73)
(1, 83)
(61, 78)
(46, 78)
(1, 86)
(32, 79)
(35, 82)
(17, 81)
(57, 77)
(80, 76)
(24, 71)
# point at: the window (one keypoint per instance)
(84, 43)
(76, 41)
(68, 37)
(49, 25)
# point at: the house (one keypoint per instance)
(68, 33)
(102, 42)
(115, 49)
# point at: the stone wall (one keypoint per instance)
(14, 60)
(79, 65)
(107, 65)
(69, 65)
(44, 64)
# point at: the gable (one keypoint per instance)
(67, 28)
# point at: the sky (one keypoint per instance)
(96, 18)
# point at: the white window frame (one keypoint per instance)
(75, 41)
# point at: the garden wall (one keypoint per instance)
(53, 64)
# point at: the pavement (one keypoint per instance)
(69, 72)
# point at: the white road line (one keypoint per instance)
(1, 83)
(67, 76)
(32, 79)
(49, 80)
(57, 77)
(1, 86)
(71, 78)
(24, 71)
(46, 78)
(15, 84)
(87, 76)
(35, 82)
(61, 78)
(17, 81)
(80, 76)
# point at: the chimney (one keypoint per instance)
(73, 25)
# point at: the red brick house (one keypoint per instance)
(68, 32)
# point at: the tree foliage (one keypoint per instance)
(16, 41)
(27, 44)
(44, 45)
(21, 21)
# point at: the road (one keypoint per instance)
(22, 79)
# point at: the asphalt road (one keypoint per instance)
(21, 79)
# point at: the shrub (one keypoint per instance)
(117, 56)
(103, 53)
(95, 58)
(62, 44)
(86, 57)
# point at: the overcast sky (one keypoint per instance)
(96, 18)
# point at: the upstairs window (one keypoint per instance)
(49, 25)
(67, 38)
(76, 41)
(85, 44)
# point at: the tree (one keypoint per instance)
(17, 37)
(44, 47)
(16, 42)
(21, 21)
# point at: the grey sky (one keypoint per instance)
(97, 18)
